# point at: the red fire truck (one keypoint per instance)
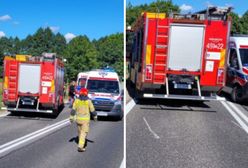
(33, 84)
(180, 56)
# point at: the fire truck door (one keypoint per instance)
(186, 47)
(29, 78)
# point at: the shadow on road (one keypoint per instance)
(107, 119)
(76, 140)
(172, 105)
(169, 104)
(34, 115)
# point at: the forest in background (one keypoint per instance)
(81, 53)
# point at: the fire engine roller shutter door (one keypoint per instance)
(29, 78)
(185, 47)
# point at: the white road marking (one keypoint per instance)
(153, 133)
(129, 106)
(5, 114)
(237, 124)
(235, 116)
(12, 145)
(240, 113)
(123, 164)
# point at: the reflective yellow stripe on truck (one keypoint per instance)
(52, 86)
(222, 58)
(5, 85)
(148, 54)
(155, 15)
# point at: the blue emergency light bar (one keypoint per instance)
(108, 69)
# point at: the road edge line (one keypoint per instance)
(240, 113)
(13, 145)
(31, 134)
(129, 106)
(4, 115)
(235, 116)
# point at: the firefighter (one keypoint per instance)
(80, 113)
(72, 92)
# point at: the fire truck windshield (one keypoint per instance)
(103, 86)
(244, 56)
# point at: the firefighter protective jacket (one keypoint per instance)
(82, 107)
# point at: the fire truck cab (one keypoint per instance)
(237, 68)
(180, 56)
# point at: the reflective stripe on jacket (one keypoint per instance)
(83, 109)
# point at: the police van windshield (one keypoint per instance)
(103, 86)
(244, 56)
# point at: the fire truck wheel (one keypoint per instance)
(13, 112)
(61, 107)
(237, 94)
(55, 113)
(137, 95)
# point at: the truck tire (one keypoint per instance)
(137, 95)
(14, 113)
(237, 94)
(55, 112)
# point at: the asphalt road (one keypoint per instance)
(185, 134)
(59, 149)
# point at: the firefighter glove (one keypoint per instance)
(95, 118)
(94, 115)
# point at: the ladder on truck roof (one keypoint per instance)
(161, 50)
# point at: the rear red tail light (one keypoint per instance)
(220, 76)
(148, 72)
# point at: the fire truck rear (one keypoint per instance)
(33, 84)
(180, 56)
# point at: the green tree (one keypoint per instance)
(81, 56)
(59, 44)
(44, 40)
(236, 25)
(244, 23)
(110, 49)
(159, 6)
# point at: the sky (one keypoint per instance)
(240, 6)
(94, 18)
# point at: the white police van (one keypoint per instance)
(105, 92)
(237, 68)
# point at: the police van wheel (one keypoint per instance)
(237, 94)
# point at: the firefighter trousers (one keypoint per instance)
(83, 129)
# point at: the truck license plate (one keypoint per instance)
(182, 86)
(102, 114)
